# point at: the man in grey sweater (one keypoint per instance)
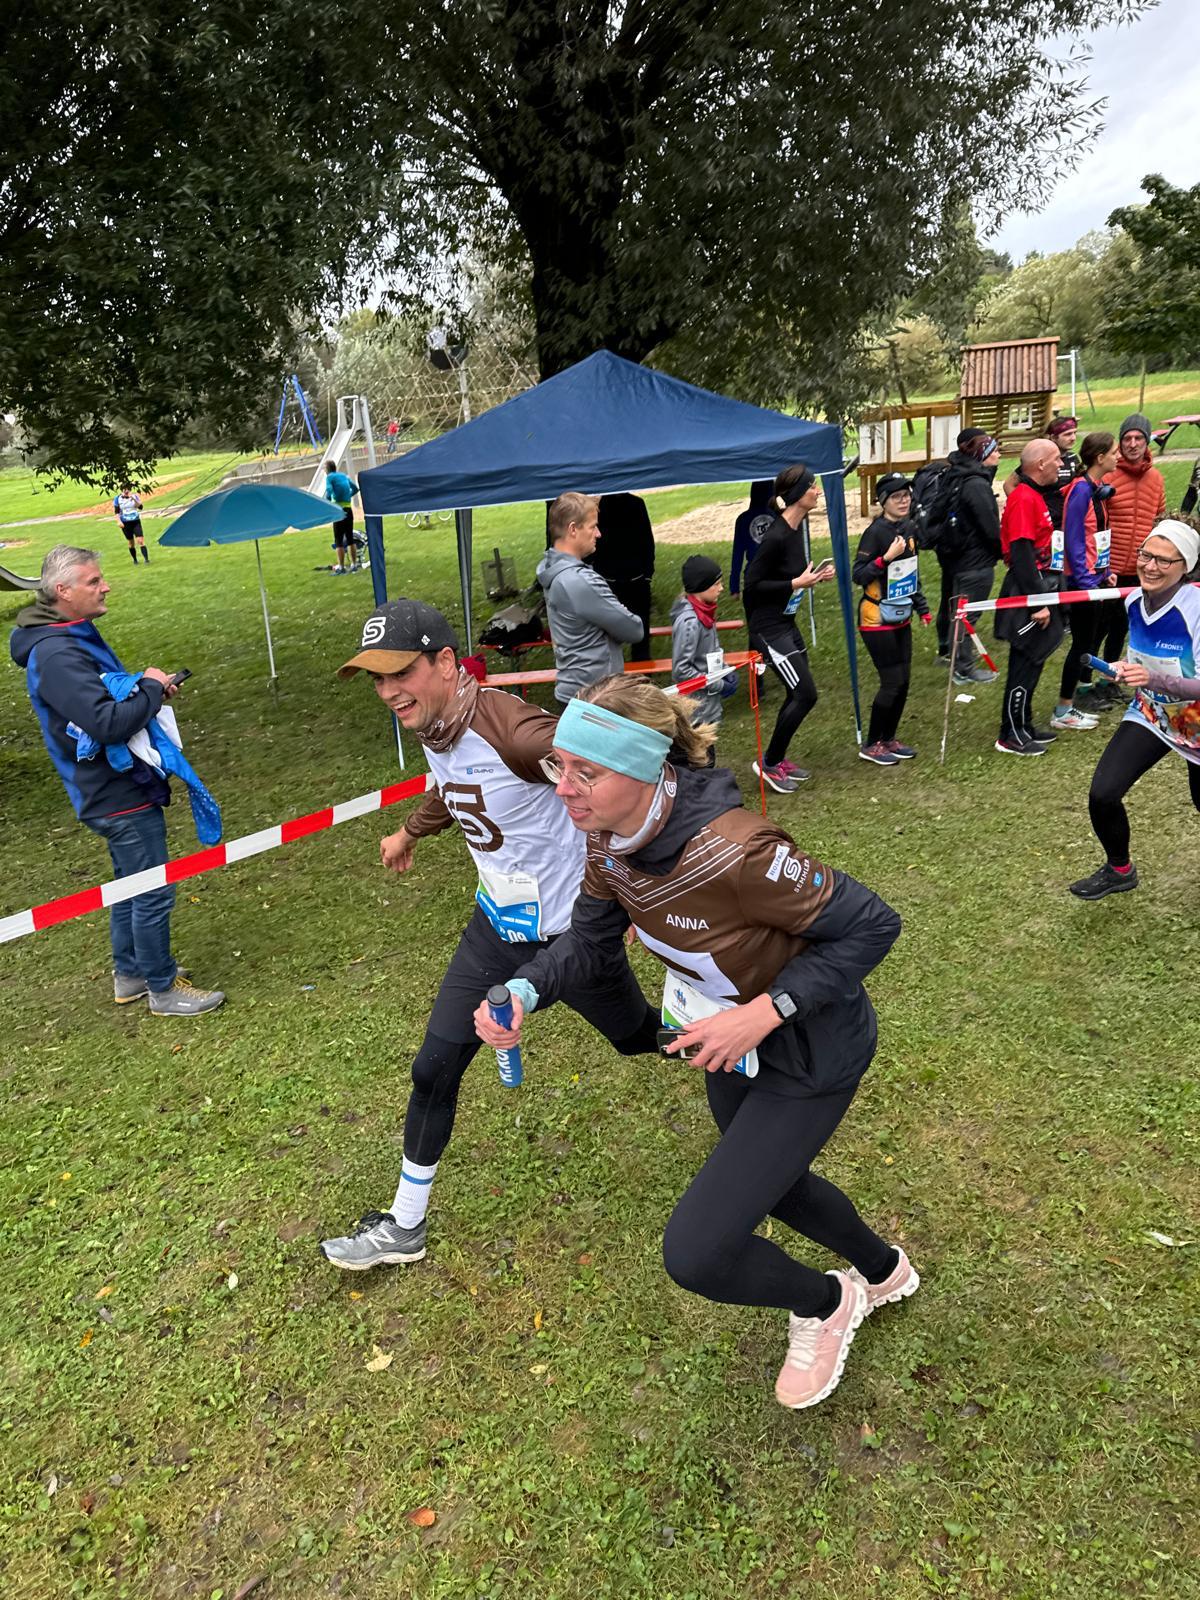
(588, 624)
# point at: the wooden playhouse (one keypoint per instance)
(1009, 389)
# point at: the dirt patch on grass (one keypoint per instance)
(167, 486)
(709, 523)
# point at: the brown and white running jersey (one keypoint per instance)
(731, 912)
(494, 786)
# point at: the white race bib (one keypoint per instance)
(1057, 544)
(716, 662)
(902, 578)
(1103, 546)
(682, 1004)
(511, 903)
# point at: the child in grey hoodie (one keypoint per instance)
(695, 642)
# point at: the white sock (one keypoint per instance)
(412, 1194)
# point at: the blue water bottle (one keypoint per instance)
(508, 1061)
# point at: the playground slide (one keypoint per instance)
(10, 580)
(337, 449)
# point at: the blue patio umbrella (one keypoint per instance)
(250, 511)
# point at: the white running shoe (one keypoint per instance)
(1073, 718)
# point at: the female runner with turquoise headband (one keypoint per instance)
(765, 953)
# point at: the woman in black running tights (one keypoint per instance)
(775, 579)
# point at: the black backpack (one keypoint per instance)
(936, 493)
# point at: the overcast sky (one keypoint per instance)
(1148, 73)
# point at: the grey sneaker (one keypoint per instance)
(378, 1241)
(775, 778)
(975, 675)
(127, 988)
(183, 999)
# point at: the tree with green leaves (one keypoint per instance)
(734, 187)
(1154, 308)
(174, 201)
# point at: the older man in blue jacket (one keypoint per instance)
(65, 660)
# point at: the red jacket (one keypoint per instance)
(1139, 499)
(1026, 517)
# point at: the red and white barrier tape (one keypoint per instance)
(116, 890)
(219, 855)
(705, 681)
(1062, 597)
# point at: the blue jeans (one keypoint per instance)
(140, 928)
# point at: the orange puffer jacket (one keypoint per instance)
(1139, 499)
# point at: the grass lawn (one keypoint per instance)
(188, 1390)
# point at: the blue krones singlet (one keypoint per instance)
(1168, 643)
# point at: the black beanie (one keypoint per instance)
(699, 573)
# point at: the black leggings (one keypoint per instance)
(1087, 623)
(788, 659)
(891, 651)
(620, 1012)
(760, 1168)
(1129, 755)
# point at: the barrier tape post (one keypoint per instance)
(960, 619)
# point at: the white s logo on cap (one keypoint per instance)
(373, 631)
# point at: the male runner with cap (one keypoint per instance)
(486, 751)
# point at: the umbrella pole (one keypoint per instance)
(262, 589)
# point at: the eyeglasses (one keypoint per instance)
(582, 783)
(1147, 560)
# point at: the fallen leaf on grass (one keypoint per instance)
(424, 1517)
(1165, 1238)
(537, 1321)
(86, 1340)
(356, 1294)
(249, 1586)
(231, 1282)
(539, 1369)
(107, 1290)
(52, 1485)
(867, 1437)
(87, 1503)
(585, 1259)
(379, 1360)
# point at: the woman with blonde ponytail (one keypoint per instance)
(765, 951)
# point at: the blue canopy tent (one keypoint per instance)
(602, 426)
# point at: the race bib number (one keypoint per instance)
(682, 1003)
(902, 578)
(1103, 549)
(511, 903)
(793, 604)
(1057, 546)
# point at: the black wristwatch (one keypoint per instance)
(785, 1006)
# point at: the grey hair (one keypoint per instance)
(58, 566)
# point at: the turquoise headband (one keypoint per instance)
(612, 741)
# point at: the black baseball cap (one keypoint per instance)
(891, 483)
(395, 634)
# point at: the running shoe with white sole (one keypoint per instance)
(900, 1282)
(879, 754)
(378, 1241)
(817, 1349)
(792, 771)
(1019, 747)
(775, 778)
(1071, 718)
(902, 752)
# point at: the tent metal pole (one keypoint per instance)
(262, 589)
(956, 634)
(835, 505)
(463, 530)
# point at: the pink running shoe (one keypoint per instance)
(900, 1282)
(817, 1349)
